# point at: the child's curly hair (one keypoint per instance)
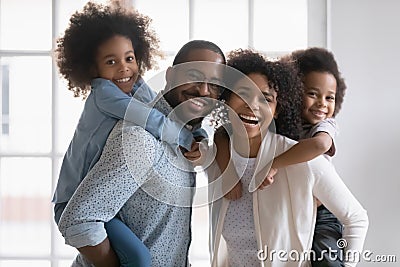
(282, 77)
(89, 28)
(321, 60)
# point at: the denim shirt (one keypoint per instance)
(105, 105)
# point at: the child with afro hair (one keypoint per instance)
(102, 55)
(323, 95)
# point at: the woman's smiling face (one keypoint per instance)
(254, 106)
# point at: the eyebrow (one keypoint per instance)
(251, 88)
(212, 79)
(317, 89)
(113, 55)
(268, 94)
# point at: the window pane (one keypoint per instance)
(65, 263)
(25, 177)
(25, 263)
(29, 114)
(25, 24)
(280, 25)
(24, 239)
(66, 9)
(227, 27)
(170, 20)
(25, 208)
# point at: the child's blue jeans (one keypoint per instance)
(129, 248)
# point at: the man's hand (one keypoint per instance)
(101, 255)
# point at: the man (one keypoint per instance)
(143, 181)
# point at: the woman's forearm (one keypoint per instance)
(337, 198)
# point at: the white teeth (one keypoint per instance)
(250, 118)
(197, 103)
(123, 80)
(318, 113)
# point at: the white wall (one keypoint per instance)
(365, 38)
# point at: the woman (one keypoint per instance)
(273, 226)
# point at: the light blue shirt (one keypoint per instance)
(105, 105)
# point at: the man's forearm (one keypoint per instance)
(101, 255)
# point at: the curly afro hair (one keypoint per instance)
(89, 28)
(316, 59)
(282, 77)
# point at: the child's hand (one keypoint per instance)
(235, 193)
(197, 154)
(194, 153)
(269, 179)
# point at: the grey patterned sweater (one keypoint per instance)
(144, 182)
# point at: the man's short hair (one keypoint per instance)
(196, 44)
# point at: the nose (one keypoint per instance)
(253, 102)
(322, 102)
(203, 89)
(123, 67)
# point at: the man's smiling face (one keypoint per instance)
(192, 85)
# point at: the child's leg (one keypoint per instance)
(328, 230)
(130, 249)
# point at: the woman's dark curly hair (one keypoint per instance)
(321, 60)
(282, 77)
(89, 28)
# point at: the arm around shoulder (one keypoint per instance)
(304, 150)
(115, 103)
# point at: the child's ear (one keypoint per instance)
(276, 114)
